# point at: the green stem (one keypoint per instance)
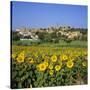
(19, 85)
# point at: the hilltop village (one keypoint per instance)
(66, 31)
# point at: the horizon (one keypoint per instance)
(44, 15)
(48, 27)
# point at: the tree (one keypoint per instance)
(15, 36)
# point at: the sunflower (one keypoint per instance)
(70, 64)
(46, 63)
(54, 58)
(50, 66)
(42, 67)
(21, 57)
(51, 72)
(63, 57)
(57, 67)
(13, 56)
(31, 61)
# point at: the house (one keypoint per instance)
(26, 34)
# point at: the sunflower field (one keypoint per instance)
(36, 66)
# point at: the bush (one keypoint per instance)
(68, 40)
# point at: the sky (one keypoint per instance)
(41, 15)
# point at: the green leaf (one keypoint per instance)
(35, 84)
(29, 80)
(14, 74)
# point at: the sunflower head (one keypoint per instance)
(21, 57)
(54, 58)
(57, 67)
(46, 63)
(31, 61)
(42, 67)
(50, 66)
(13, 56)
(63, 57)
(70, 64)
(51, 72)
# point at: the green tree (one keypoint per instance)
(15, 36)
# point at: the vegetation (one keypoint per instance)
(15, 36)
(37, 66)
(52, 59)
(61, 43)
(54, 35)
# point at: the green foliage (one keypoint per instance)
(15, 36)
(27, 76)
(26, 42)
(68, 40)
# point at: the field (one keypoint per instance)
(49, 45)
(47, 65)
(62, 43)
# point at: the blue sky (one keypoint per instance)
(36, 15)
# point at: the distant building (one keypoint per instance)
(31, 34)
(26, 34)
